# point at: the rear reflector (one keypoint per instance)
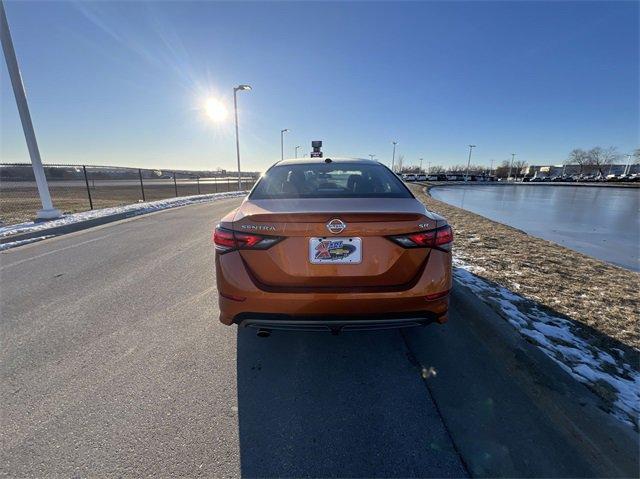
(440, 238)
(434, 296)
(228, 240)
(233, 297)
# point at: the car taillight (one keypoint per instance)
(440, 238)
(227, 240)
(223, 240)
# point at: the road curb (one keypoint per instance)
(71, 228)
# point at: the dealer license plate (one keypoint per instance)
(335, 250)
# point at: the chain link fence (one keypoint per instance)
(76, 188)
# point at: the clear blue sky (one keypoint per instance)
(123, 83)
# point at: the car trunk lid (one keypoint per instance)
(287, 265)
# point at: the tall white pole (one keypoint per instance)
(47, 211)
(297, 148)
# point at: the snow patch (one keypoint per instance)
(13, 244)
(563, 341)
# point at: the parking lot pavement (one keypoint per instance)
(113, 365)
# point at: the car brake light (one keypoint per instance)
(223, 240)
(247, 240)
(228, 240)
(444, 236)
(440, 238)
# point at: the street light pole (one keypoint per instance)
(297, 147)
(511, 165)
(282, 132)
(429, 168)
(421, 165)
(235, 109)
(471, 147)
(47, 211)
(371, 156)
(393, 158)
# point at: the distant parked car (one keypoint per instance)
(421, 177)
(526, 179)
(410, 177)
(437, 177)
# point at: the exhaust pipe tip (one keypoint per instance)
(263, 333)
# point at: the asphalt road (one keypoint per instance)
(113, 364)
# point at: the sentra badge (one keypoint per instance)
(258, 227)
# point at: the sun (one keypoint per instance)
(215, 110)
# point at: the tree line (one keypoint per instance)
(597, 158)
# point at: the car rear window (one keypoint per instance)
(329, 180)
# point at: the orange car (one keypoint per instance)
(322, 244)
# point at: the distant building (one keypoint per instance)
(541, 171)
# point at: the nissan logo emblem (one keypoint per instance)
(336, 226)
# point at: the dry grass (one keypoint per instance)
(18, 204)
(596, 294)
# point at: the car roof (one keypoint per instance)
(317, 161)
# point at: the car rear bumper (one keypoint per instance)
(242, 301)
(334, 324)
